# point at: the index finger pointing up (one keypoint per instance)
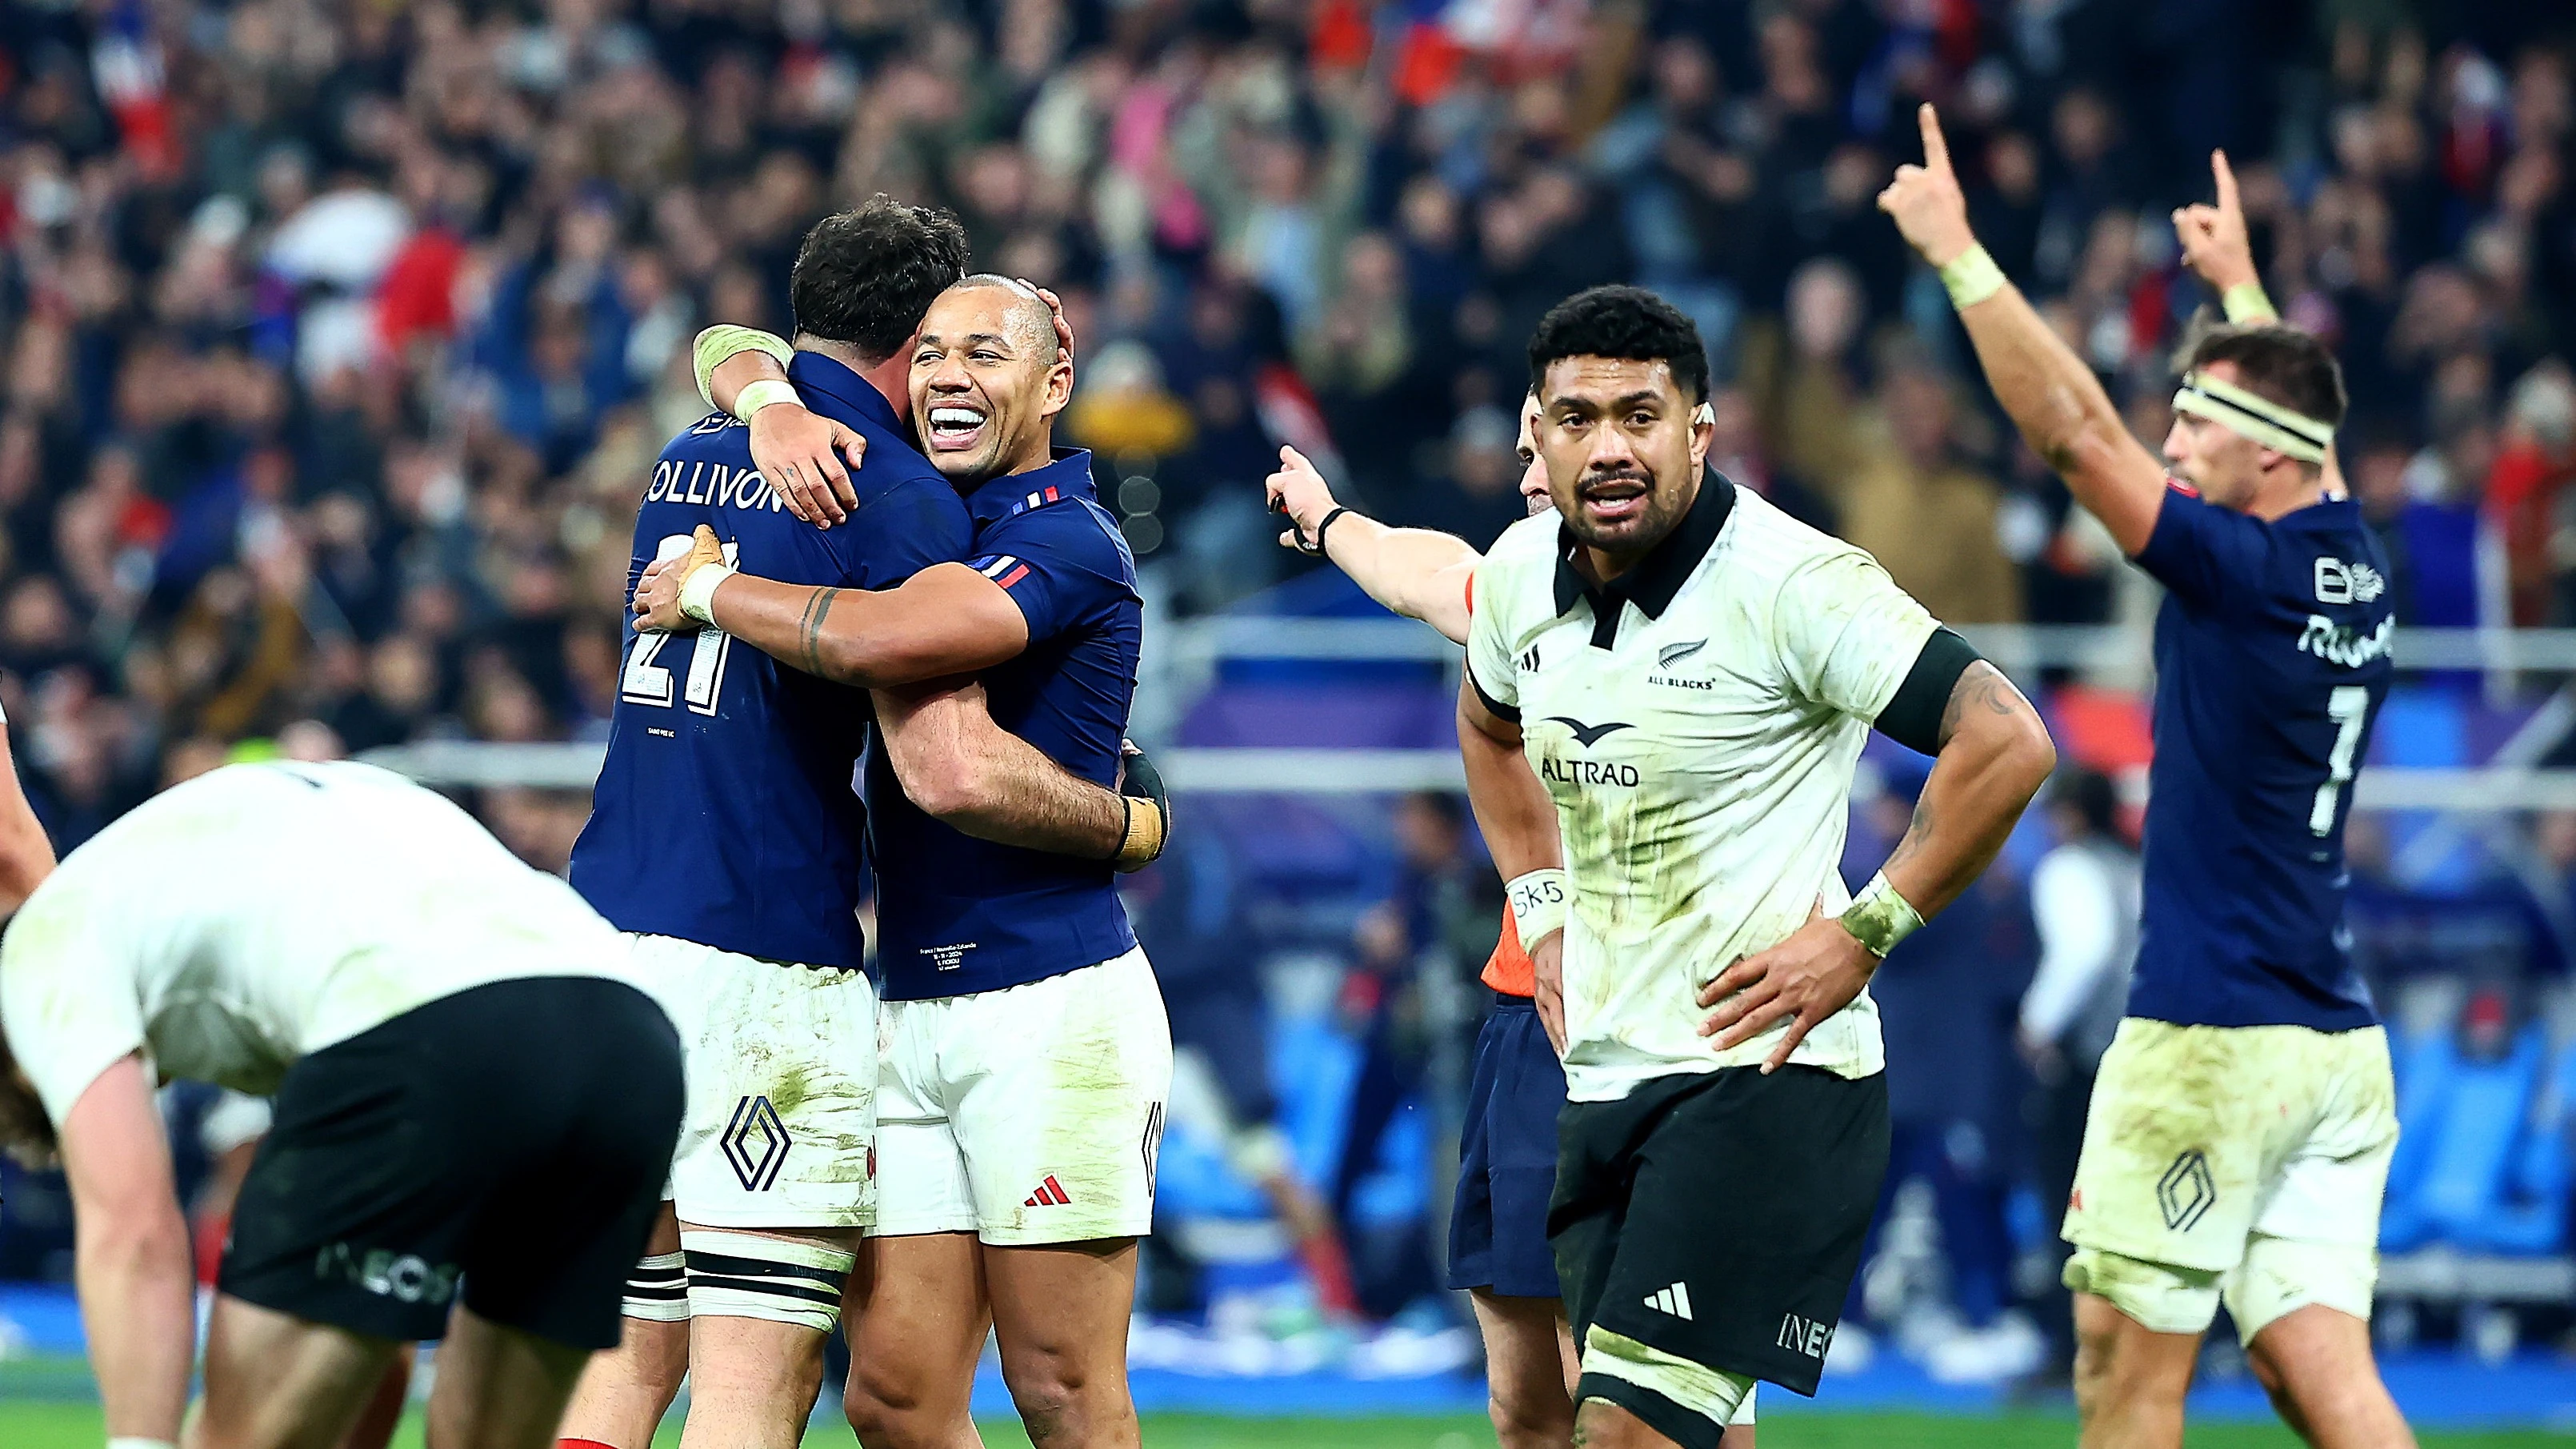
(1936, 151)
(2226, 176)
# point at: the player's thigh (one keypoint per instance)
(1058, 1103)
(500, 1387)
(2315, 1240)
(760, 1307)
(2177, 1143)
(275, 1381)
(1060, 1313)
(917, 1323)
(783, 1069)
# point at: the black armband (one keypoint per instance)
(1508, 713)
(1913, 717)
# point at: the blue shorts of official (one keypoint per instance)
(1507, 1158)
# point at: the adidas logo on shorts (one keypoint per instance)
(1674, 1300)
(1050, 1193)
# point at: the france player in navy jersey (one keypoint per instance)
(1027, 1053)
(2243, 1120)
(726, 839)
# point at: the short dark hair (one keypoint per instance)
(865, 276)
(1623, 322)
(2275, 362)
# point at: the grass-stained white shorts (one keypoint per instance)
(1028, 1115)
(782, 1068)
(2247, 1161)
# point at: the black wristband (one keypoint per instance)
(1325, 527)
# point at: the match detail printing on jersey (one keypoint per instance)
(1697, 723)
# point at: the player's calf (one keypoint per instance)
(625, 1391)
(2316, 1364)
(2129, 1377)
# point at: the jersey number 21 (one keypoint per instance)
(645, 682)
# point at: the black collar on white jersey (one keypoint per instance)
(1653, 582)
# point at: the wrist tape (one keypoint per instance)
(1880, 917)
(1539, 899)
(1972, 277)
(698, 591)
(757, 395)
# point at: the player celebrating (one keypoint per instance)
(475, 1107)
(1021, 1096)
(1675, 679)
(727, 838)
(2243, 1119)
(1498, 1253)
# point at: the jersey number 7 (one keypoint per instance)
(2348, 706)
(645, 682)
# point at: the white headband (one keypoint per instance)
(2259, 419)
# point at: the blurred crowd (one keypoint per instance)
(340, 334)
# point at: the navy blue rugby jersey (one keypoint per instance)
(956, 915)
(726, 812)
(2271, 663)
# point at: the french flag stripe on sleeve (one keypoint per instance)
(1004, 569)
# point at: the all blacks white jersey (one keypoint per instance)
(1698, 722)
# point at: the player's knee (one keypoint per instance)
(888, 1411)
(1528, 1406)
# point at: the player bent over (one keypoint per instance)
(1669, 685)
(1498, 1252)
(1027, 1056)
(474, 1109)
(2243, 1120)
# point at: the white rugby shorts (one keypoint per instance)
(782, 1071)
(1028, 1115)
(2243, 1162)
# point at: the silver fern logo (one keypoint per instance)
(1672, 654)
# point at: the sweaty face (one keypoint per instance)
(1533, 471)
(1622, 455)
(986, 380)
(2226, 467)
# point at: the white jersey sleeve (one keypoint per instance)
(1847, 635)
(69, 1013)
(1492, 669)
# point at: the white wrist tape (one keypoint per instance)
(757, 395)
(698, 591)
(1539, 899)
(136, 1441)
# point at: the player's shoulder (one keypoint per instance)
(1520, 568)
(1069, 532)
(1765, 553)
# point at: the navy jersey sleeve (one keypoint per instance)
(1062, 565)
(2208, 555)
(893, 536)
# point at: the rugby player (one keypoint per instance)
(475, 1105)
(2243, 1120)
(726, 838)
(1498, 1253)
(1027, 1054)
(1675, 680)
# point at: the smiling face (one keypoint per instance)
(987, 382)
(1623, 455)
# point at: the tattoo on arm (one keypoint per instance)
(1980, 686)
(817, 609)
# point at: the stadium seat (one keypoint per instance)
(2456, 1164)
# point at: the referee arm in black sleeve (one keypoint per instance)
(1991, 755)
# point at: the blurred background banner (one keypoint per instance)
(341, 334)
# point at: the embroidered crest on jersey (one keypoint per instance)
(1672, 654)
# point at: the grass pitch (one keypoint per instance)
(38, 1424)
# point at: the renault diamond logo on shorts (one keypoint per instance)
(1672, 654)
(1589, 735)
(2185, 1192)
(1674, 1300)
(755, 1142)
